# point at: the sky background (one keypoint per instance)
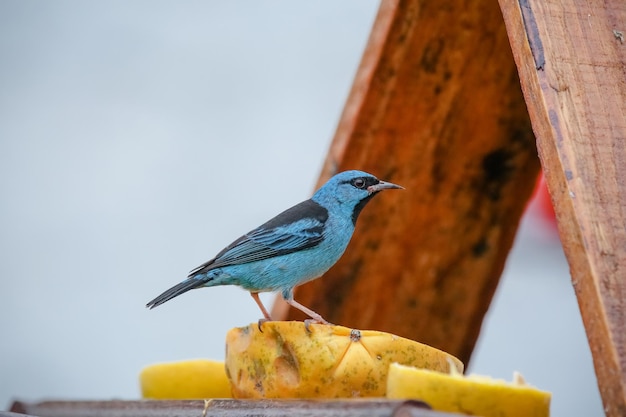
(137, 138)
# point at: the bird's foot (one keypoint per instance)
(261, 323)
(308, 322)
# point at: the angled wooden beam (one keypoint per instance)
(436, 106)
(571, 57)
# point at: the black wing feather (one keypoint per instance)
(300, 227)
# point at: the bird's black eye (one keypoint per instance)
(358, 182)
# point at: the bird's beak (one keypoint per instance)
(382, 186)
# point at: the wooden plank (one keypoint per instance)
(571, 57)
(436, 106)
(227, 408)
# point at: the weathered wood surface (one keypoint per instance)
(436, 106)
(227, 408)
(571, 57)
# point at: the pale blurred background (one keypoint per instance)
(137, 138)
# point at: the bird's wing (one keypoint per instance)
(300, 227)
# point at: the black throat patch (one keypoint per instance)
(359, 207)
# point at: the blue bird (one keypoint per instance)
(297, 246)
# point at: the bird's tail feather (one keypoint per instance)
(175, 291)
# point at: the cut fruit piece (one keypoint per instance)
(287, 360)
(472, 395)
(191, 379)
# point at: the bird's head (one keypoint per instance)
(349, 191)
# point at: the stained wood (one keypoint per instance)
(436, 106)
(226, 408)
(571, 57)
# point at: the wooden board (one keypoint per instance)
(571, 57)
(436, 106)
(226, 408)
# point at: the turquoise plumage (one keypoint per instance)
(297, 246)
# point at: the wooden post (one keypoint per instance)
(436, 106)
(571, 58)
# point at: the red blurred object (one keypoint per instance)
(541, 198)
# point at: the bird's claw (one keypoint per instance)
(308, 322)
(261, 322)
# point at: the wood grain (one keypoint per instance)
(571, 57)
(226, 408)
(436, 106)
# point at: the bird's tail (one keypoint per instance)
(175, 291)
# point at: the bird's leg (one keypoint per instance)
(266, 315)
(315, 318)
